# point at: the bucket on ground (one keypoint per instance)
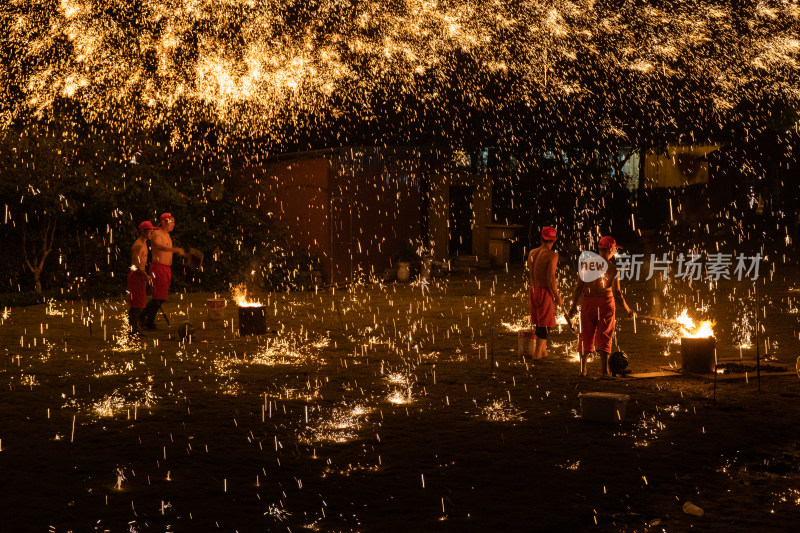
(216, 308)
(603, 406)
(526, 342)
(698, 355)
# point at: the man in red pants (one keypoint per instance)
(137, 277)
(543, 289)
(598, 309)
(160, 267)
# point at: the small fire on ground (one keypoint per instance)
(239, 294)
(690, 330)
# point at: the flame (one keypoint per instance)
(239, 293)
(688, 328)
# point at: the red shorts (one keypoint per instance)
(543, 310)
(162, 276)
(597, 324)
(137, 289)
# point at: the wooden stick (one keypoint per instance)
(658, 319)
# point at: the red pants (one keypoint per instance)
(162, 276)
(543, 310)
(137, 289)
(597, 324)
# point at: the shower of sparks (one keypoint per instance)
(399, 397)
(140, 395)
(788, 496)
(253, 64)
(28, 380)
(341, 425)
(109, 405)
(51, 310)
(647, 428)
(743, 329)
(120, 473)
(570, 465)
(523, 323)
(114, 369)
(517, 325)
(398, 378)
(277, 513)
(306, 395)
(288, 349)
(126, 343)
(501, 411)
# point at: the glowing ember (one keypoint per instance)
(524, 323)
(120, 478)
(341, 426)
(501, 411)
(239, 293)
(398, 397)
(517, 325)
(398, 378)
(137, 395)
(51, 309)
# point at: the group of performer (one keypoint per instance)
(598, 309)
(142, 314)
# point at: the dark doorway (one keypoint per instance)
(460, 221)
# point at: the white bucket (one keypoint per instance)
(216, 308)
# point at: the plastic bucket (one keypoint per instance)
(216, 308)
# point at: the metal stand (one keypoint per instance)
(491, 325)
(758, 345)
(715, 377)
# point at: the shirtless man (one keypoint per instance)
(543, 289)
(160, 267)
(137, 277)
(598, 310)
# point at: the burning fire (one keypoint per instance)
(688, 328)
(239, 293)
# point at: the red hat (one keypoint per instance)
(146, 225)
(549, 233)
(608, 242)
(165, 215)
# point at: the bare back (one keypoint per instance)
(162, 247)
(541, 267)
(139, 254)
(604, 285)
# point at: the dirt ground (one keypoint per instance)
(378, 409)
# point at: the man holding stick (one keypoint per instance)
(598, 287)
(137, 277)
(161, 267)
(543, 289)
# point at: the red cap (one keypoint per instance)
(165, 215)
(146, 225)
(608, 242)
(549, 233)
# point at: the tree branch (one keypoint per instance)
(25, 248)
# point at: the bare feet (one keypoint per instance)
(604, 363)
(540, 350)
